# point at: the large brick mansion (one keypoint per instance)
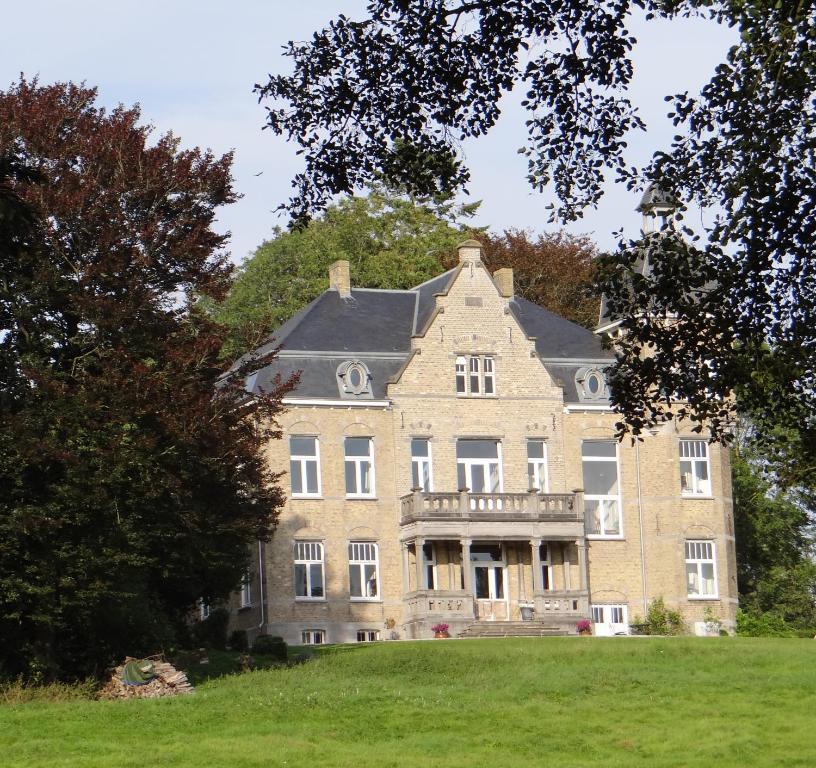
(450, 458)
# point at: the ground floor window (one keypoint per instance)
(368, 635)
(546, 567)
(246, 591)
(701, 575)
(363, 575)
(429, 556)
(610, 619)
(313, 636)
(488, 571)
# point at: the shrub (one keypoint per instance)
(660, 620)
(762, 625)
(212, 632)
(270, 645)
(238, 640)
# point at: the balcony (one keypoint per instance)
(491, 507)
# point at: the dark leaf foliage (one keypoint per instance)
(131, 479)
(396, 93)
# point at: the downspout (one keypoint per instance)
(640, 522)
(261, 584)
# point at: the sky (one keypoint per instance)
(192, 64)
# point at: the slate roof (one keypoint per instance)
(375, 327)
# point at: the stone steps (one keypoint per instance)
(512, 629)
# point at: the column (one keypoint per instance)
(420, 563)
(467, 571)
(406, 575)
(582, 563)
(565, 546)
(538, 583)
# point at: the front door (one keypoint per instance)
(489, 582)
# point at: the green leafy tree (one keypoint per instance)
(776, 572)
(131, 479)
(391, 241)
(395, 93)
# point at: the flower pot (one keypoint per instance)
(439, 635)
(585, 632)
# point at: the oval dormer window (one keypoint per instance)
(353, 379)
(590, 384)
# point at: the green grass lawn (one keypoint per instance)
(517, 702)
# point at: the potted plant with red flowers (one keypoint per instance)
(584, 627)
(440, 630)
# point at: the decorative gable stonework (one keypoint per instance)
(468, 475)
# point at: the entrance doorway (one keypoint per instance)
(489, 581)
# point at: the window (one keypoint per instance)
(601, 490)
(421, 476)
(313, 636)
(590, 383)
(359, 467)
(304, 466)
(475, 375)
(546, 567)
(309, 570)
(353, 379)
(430, 565)
(488, 571)
(537, 466)
(363, 571)
(694, 475)
(204, 610)
(368, 635)
(610, 620)
(478, 465)
(701, 574)
(246, 591)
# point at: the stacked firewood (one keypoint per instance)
(168, 681)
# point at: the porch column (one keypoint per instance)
(565, 547)
(582, 562)
(420, 563)
(406, 574)
(538, 583)
(466, 569)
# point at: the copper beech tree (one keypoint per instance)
(131, 480)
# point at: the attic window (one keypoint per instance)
(354, 379)
(591, 384)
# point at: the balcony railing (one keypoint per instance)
(560, 507)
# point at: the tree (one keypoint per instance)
(131, 479)
(552, 269)
(394, 94)
(776, 572)
(390, 241)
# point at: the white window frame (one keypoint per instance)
(429, 565)
(419, 462)
(368, 635)
(601, 498)
(698, 488)
(604, 615)
(313, 637)
(545, 556)
(699, 552)
(360, 555)
(484, 463)
(246, 591)
(536, 467)
(203, 610)
(358, 461)
(303, 460)
(307, 554)
(475, 374)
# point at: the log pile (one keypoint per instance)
(168, 681)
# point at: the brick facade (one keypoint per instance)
(474, 318)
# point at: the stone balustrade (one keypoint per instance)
(556, 507)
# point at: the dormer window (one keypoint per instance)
(591, 384)
(353, 379)
(475, 375)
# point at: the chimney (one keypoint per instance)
(504, 281)
(470, 250)
(340, 278)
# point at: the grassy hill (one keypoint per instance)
(518, 702)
